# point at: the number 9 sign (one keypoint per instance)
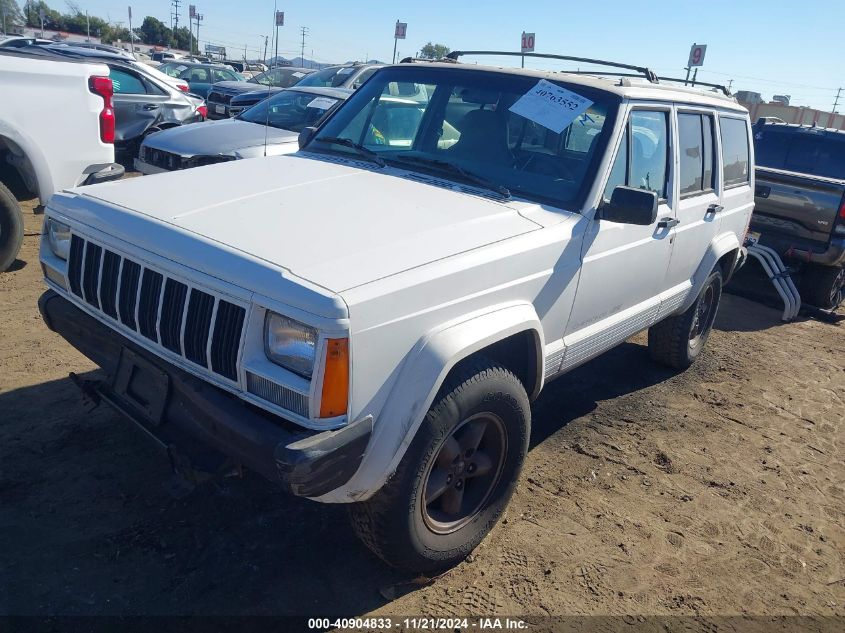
(696, 55)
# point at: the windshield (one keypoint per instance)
(331, 77)
(290, 110)
(535, 139)
(279, 77)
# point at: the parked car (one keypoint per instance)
(50, 148)
(366, 321)
(341, 76)
(800, 204)
(164, 56)
(143, 102)
(270, 128)
(272, 81)
(99, 47)
(201, 77)
(20, 41)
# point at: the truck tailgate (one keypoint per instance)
(799, 204)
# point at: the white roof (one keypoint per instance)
(626, 87)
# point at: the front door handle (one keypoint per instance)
(667, 222)
(150, 106)
(715, 208)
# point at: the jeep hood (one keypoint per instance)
(336, 223)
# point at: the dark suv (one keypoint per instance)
(800, 204)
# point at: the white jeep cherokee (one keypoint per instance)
(368, 320)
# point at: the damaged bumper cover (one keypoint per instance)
(183, 412)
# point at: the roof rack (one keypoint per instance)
(695, 83)
(649, 74)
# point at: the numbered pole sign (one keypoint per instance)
(528, 42)
(280, 18)
(401, 29)
(696, 55)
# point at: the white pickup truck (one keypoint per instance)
(367, 321)
(56, 132)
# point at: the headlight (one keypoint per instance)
(58, 235)
(290, 344)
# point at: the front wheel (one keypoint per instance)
(11, 228)
(678, 340)
(457, 476)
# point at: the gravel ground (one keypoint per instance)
(716, 491)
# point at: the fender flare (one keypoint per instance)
(423, 372)
(718, 248)
(33, 154)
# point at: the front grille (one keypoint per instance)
(198, 326)
(218, 97)
(162, 159)
(277, 394)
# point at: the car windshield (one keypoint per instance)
(331, 77)
(510, 133)
(290, 110)
(279, 77)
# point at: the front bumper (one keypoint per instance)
(147, 169)
(191, 417)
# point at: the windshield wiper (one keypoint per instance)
(457, 169)
(360, 149)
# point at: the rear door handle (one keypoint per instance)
(667, 223)
(715, 208)
(150, 106)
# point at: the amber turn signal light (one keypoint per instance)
(335, 378)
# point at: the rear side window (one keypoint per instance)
(734, 133)
(695, 142)
(125, 83)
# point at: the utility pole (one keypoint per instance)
(176, 14)
(302, 50)
(199, 19)
(3, 11)
(836, 101)
(264, 59)
(730, 83)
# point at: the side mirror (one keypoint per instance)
(306, 135)
(629, 205)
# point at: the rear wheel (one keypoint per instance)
(678, 340)
(822, 286)
(457, 476)
(11, 228)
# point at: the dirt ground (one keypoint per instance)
(716, 491)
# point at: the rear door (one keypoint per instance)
(137, 103)
(698, 194)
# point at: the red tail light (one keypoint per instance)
(203, 111)
(182, 87)
(103, 87)
(842, 210)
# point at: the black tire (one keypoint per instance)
(678, 340)
(397, 524)
(822, 286)
(11, 228)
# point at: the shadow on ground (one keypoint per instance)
(90, 528)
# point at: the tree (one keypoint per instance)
(154, 31)
(434, 51)
(12, 15)
(52, 18)
(183, 38)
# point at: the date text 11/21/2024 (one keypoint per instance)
(420, 624)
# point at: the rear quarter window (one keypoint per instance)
(801, 150)
(734, 136)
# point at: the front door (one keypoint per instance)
(624, 266)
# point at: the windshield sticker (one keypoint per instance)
(345, 71)
(551, 106)
(322, 103)
(297, 74)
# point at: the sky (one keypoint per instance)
(771, 46)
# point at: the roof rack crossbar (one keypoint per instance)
(698, 83)
(646, 72)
